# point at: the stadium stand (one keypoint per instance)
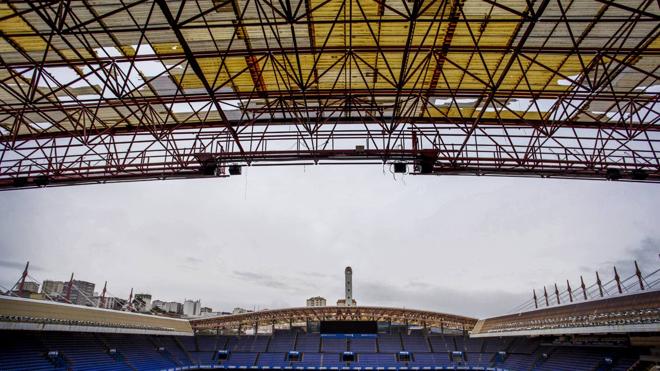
(491, 344)
(308, 343)
(415, 343)
(28, 350)
(389, 343)
(363, 345)
(273, 360)
(441, 343)
(282, 341)
(330, 345)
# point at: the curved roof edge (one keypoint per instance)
(403, 315)
(30, 314)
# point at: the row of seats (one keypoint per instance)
(24, 350)
(384, 343)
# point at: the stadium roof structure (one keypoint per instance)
(304, 314)
(41, 315)
(97, 91)
(634, 313)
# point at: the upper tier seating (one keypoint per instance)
(330, 345)
(442, 343)
(83, 351)
(210, 343)
(363, 345)
(389, 343)
(251, 344)
(188, 343)
(308, 343)
(282, 341)
(415, 343)
(492, 345)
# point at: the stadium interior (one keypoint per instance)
(95, 91)
(615, 333)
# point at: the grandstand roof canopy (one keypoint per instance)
(631, 313)
(360, 313)
(41, 315)
(105, 91)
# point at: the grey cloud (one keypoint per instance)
(645, 253)
(264, 280)
(193, 260)
(18, 265)
(442, 299)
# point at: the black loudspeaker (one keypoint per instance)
(426, 161)
(399, 167)
(234, 169)
(20, 182)
(613, 174)
(426, 167)
(42, 180)
(639, 174)
(209, 167)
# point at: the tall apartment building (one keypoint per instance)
(316, 301)
(142, 302)
(192, 308)
(52, 288)
(81, 292)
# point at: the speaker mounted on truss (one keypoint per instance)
(426, 159)
(208, 165)
(613, 174)
(400, 167)
(639, 174)
(235, 169)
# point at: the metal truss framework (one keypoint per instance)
(312, 314)
(639, 312)
(97, 91)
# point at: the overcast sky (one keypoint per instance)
(275, 236)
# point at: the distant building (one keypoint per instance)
(109, 302)
(206, 310)
(158, 304)
(342, 303)
(316, 301)
(82, 292)
(192, 308)
(31, 287)
(52, 288)
(142, 302)
(240, 310)
(173, 307)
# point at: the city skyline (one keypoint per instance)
(254, 242)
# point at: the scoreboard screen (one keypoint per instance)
(349, 327)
